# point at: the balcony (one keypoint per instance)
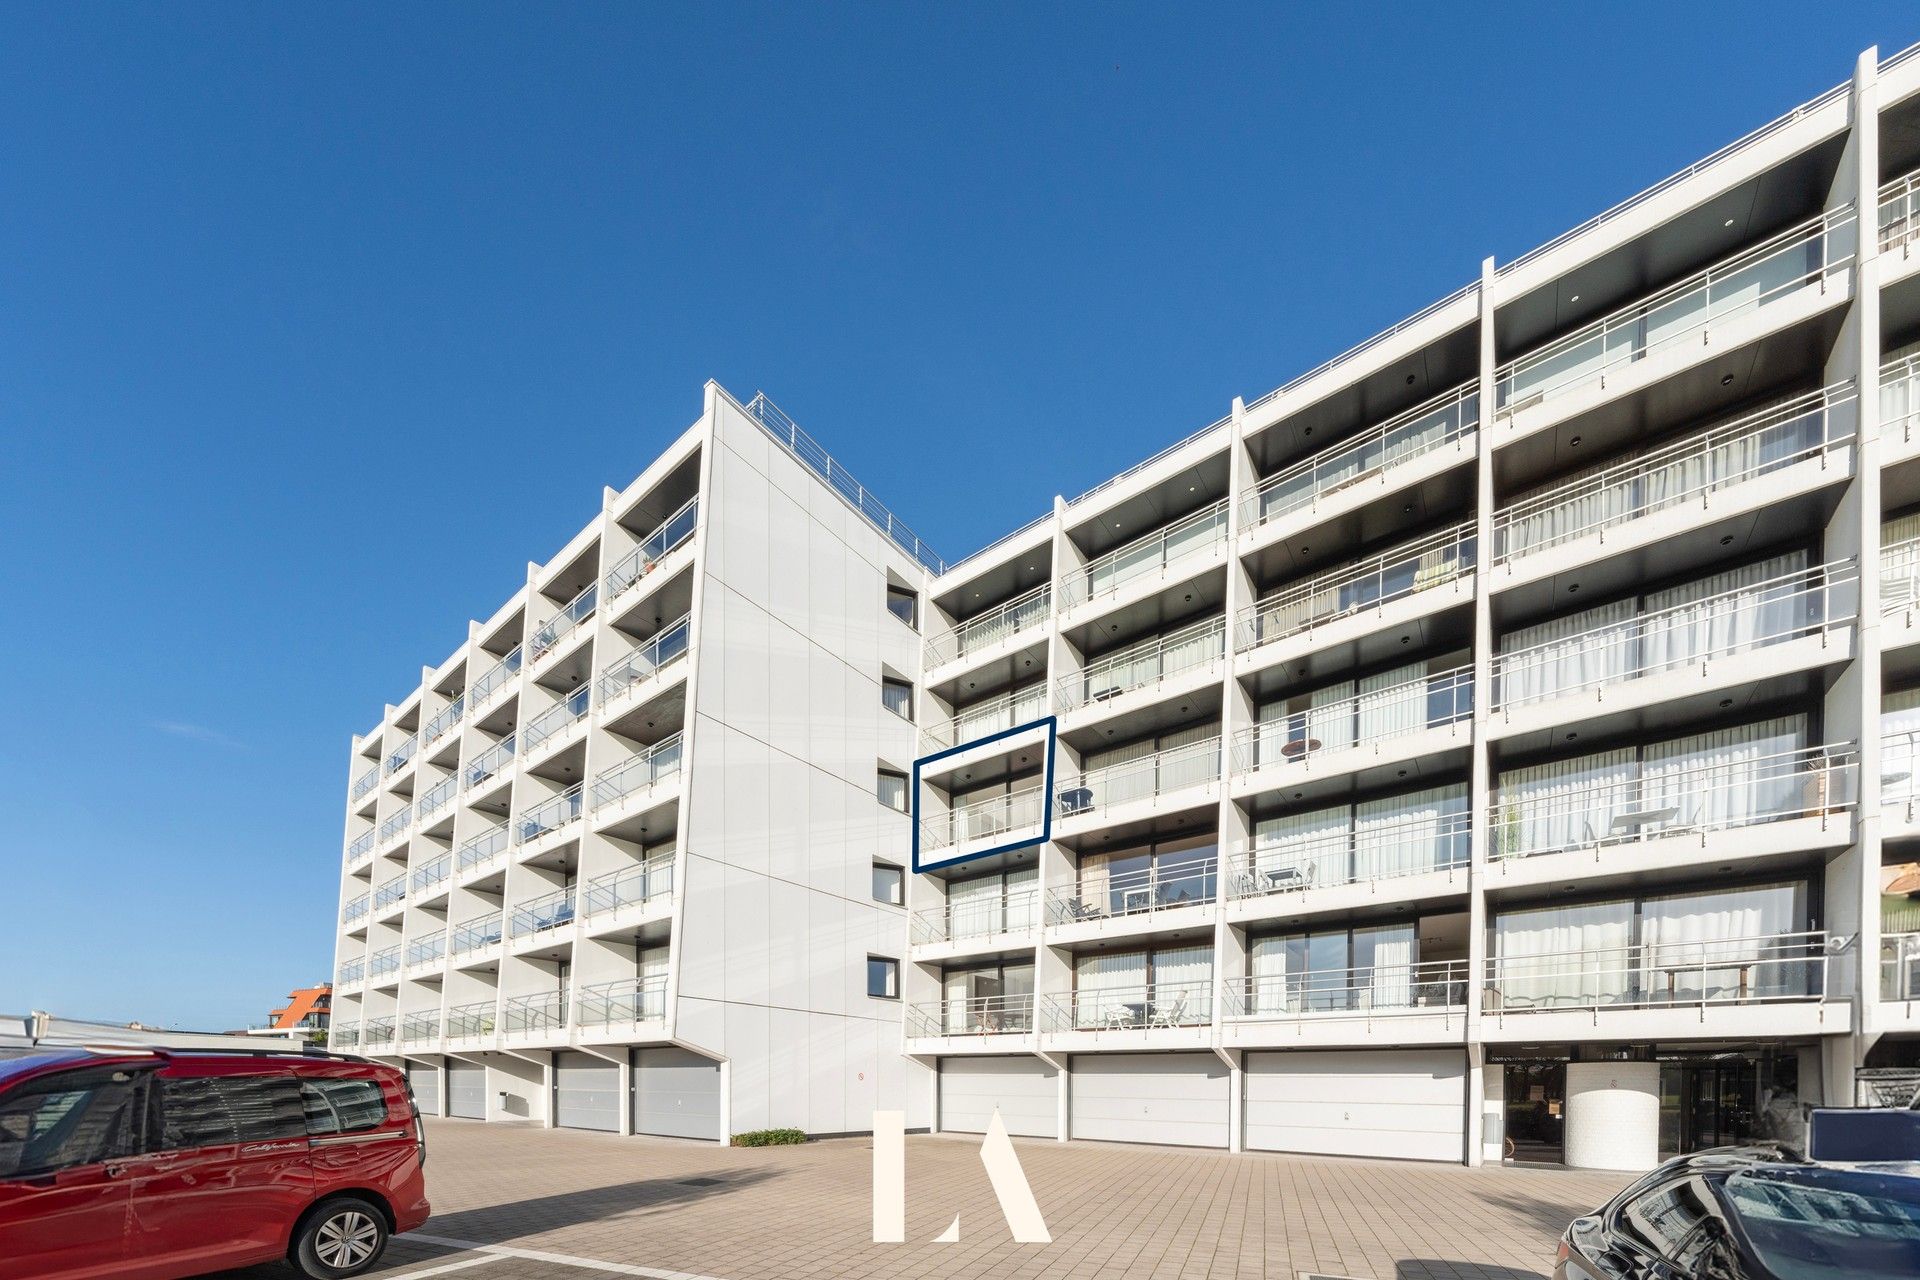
(383, 963)
(1900, 966)
(418, 1028)
(430, 876)
(445, 721)
(366, 782)
(1685, 315)
(1022, 706)
(623, 1005)
(622, 677)
(650, 881)
(1010, 1015)
(352, 973)
(473, 1021)
(995, 627)
(396, 825)
(537, 1016)
(562, 715)
(482, 768)
(638, 776)
(1017, 812)
(1135, 896)
(1900, 215)
(427, 952)
(356, 908)
(477, 934)
(1161, 1006)
(484, 850)
(548, 817)
(1900, 593)
(1394, 992)
(1189, 652)
(1374, 462)
(643, 559)
(390, 894)
(377, 1032)
(339, 1037)
(437, 797)
(1899, 409)
(1096, 793)
(1010, 911)
(501, 675)
(1159, 556)
(1346, 734)
(1374, 853)
(1899, 790)
(361, 846)
(1360, 590)
(544, 914)
(400, 756)
(549, 634)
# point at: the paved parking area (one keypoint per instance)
(565, 1205)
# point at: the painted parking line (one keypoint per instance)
(557, 1259)
(459, 1265)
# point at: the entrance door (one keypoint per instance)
(1718, 1103)
(1536, 1098)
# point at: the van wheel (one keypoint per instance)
(342, 1238)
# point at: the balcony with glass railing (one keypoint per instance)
(383, 963)
(402, 755)
(444, 721)
(639, 776)
(356, 908)
(471, 1021)
(1362, 588)
(547, 817)
(484, 850)
(360, 847)
(541, 1015)
(501, 675)
(1342, 734)
(621, 677)
(341, 1037)
(1366, 463)
(1900, 966)
(1439, 986)
(1101, 896)
(1159, 1006)
(1098, 792)
(1899, 786)
(377, 1031)
(1900, 214)
(1022, 706)
(1371, 850)
(486, 766)
(639, 563)
(477, 934)
(1688, 974)
(1189, 652)
(1899, 409)
(1008, 1015)
(628, 1002)
(549, 634)
(996, 626)
(418, 1027)
(1683, 477)
(427, 878)
(437, 797)
(1009, 911)
(390, 894)
(351, 974)
(992, 818)
(366, 782)
(543, 914)
(426, 952)
(556, 719)
(1159, 556)
(396, 825)
(1684, 315)
(649, 881)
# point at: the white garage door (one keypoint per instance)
(586, 1092)
(676, 1093)
(1405, 1104)
(1174, 1098)
(467, 1090)
(1026, 1090)
(426, 1088)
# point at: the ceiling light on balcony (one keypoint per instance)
(1574, 443)
(1409, 379)
(1727, 223)
(1572, 587)
(1574, 298)
(1725, 703)
(1306, 431)
(1726, 540)
(1572, 735)
(1726, 380)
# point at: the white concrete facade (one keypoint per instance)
(1514, 706)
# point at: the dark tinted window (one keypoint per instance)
(342, 1106)
(1660, 1220)
(68, 1120)
(1829, 1224)
(206, 1111)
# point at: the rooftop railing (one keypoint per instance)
(1436, 986)
(1804, 603)
(485, 848)
(1683, 473)
(1156, 1006)
(547, 912)
(1367, 852)
(548, 635)
(1690, 974)
(499, 676)
(1900, 966)
(1445, 420)
(476, 934)
(1009, 911)
(415, 1027)
(1355, 588)
(1354, 352)
(548, 816)
(394, 890)
(396, 823)
(1430, 701)
(377, 1031)
(994, 816)
(1219, 428)
(1145, 665)
(445, 720)
(430, 875)
(972, 1016)
(645, 882)
(427, 950)
(437, 797)
(1685, 312)
(640, 774)
(1176, 769)
(356, 907)
(1148, 891)
(623, 675)
(666, 537)
(569, 711)
(362, 846)
(468, 1021)
(397, 758)
(625, 1003)
(990, 628)
(542, 1013)
(977, 721)
(366, 781)
(484, 767)
(1149, 557)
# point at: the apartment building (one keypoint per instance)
(1497, 743)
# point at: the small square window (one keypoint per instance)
(904, 605)
(883, 978)
(892, 790)
(897, 697)
(889, 885)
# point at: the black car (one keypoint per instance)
(1753, 1213)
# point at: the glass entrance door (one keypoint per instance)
(1535, 1111)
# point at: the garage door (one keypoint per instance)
(1403, 1104)
(426, 1088)
(467, 1090)
(676, 1094)
(586, 1092)
(1026, 1090)
(1174, 1098)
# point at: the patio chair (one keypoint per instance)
(1115, 1017)
(1168, 1015)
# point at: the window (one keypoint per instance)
(892, 790)
(883, 978)
(210, 1111)
(342, 1106)
(1828, 1224)
(68, 1120)
(889, 885)
(904, 605)
(897, 697)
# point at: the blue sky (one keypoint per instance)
(319, 322)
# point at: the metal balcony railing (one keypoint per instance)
(1352, 589)
(534, 1014)
(548, 816)
(485, 766)
(569, 711)
(383, 962)
(377, 1031)
(972, 1016)
(1099, 896)
(1693, 973)
(476, 934)
(645, 882)
(366, 782)
(415, 1027)
(352, 971)
(1685, 798)
(430, 875)
(1900, 212)
(356, 908)
(437, 797)
(1900, 399)
(1900, 966)
(446, 719)
(467, 1021)
(640, 774)
(1432, 701)
(397, 758)
(427, 950)
(621, 677)
(1899, 575)
(1374, 850)
(1149, 557)
(548, 635)
(485, 848)
(1097, 791)
(1803, 603)
(362, 846)
(1899, 763)
(1157, 1006)
(543, 914)
(990, 628)
(624, 1003)
(396, 824)
(1010, 911)
(339, 1037)
(1448, 419)
(1220, 428)
(1438, 985)
(995, 816)
(392, 892)
(1686, 312)
(668, 535)
(497, 677)
(1683, 473)
(1152, 662)
(982, 718)
(1001, 541)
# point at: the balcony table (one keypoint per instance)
(1634, 821)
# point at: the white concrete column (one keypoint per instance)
(1613, 1115)
(1480, 788)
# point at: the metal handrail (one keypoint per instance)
(1432, 701)
(643, 772)
(366, 781)
(1415, 987)
(1150, 554)
(972, 1016)
(465, 1021)
(1147, 891)
(1900, 211)
(548, 816)
(570, 710)
(539, 915)
(1624, 337)
(625, 1002)
(1693, 973)
(436, 797)
(1893, 374)
(483, 848)
(431, 873)
(1899, 762)
(1210, 429)
(1449, 418)
(420, 1026)
(1158, 1005)
(384, 961)
(618, 678)
(428, 949)
(497, 677)
(377, 1031)
(1327, 366)
(1000, 541)
(474, 934)
(642, 883)
(398, 757)
(1900, 966)
(1028, 609)
(1009, 911)
(1439, 559)
(362, 845)
(543, 1011)
(1899, 575)
(353, 970)
(1711, 796)
(484, 767)
(995, 816)
(394, 890)
(1802, 603)
(548, 635)
(447, 718)
(356, 907)
(1018, 707)
(1681, 473)
(667, 536)
(1151, 662)
(396, 823)
(339, 1037)
(1353, 854)
(1092, 791)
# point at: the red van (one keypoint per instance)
(151, 1165)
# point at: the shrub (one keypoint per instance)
(769, 1138)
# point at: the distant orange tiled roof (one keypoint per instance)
(301, 1005)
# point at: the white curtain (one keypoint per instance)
(1561, 655)
(1267, 974)
(1553, 956)
(1023, 899)
(1383, 957)
(1564, 804)
(1900, 561)
(1696, 946)
(1729, 777)
(1393, 702)
(1120, 774)
(1101, 982)
(1183, 980)
(1313, 845)
(1555, 512)
(1726, 612)
(1406, 834)
(974, 908)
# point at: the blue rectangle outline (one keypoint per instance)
(1052, 725)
